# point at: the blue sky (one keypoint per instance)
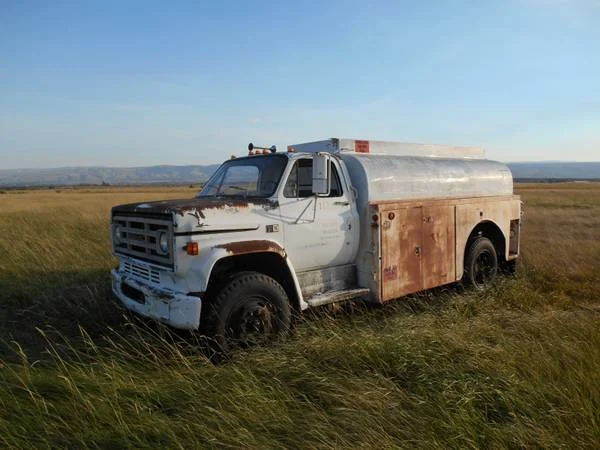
(145, 83)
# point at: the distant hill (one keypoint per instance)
(556, 169)
(67, 176)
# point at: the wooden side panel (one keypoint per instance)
(469, 215)
(424, 245)
(438, 260)
(401, 250)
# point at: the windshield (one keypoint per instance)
(256, 176)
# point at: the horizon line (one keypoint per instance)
(549, 161)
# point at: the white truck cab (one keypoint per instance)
(326, 221)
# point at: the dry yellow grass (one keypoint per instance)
(562, 238)
(515, 366)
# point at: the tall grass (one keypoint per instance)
(514, 366)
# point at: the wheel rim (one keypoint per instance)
(484, 268)
(253, 322)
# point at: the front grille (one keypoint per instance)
(138, 237)
(144, 272)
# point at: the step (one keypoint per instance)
(336, 296)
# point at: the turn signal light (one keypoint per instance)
(192, 248)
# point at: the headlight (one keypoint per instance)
(117, 234)
(163, 242)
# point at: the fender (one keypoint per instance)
(204, 265)
(491, 224)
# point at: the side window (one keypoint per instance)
(299, 182)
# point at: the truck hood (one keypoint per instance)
(208, 214)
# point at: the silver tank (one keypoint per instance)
(388, 177)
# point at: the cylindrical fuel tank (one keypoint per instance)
(388, 177)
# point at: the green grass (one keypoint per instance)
(515, 366)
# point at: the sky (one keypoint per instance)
(147, 83)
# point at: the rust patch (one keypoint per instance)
(194, 205)
(198, 215)
(246, 247)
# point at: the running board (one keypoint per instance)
(336, 296)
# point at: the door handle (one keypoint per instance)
(418, 250)
(346, 203)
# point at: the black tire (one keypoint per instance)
(250, 309)
(481, 263)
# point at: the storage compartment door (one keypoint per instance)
(401, 231)
(438, 260)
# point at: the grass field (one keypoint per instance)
(515, 366)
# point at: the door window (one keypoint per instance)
(299, 182)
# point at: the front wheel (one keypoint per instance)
(481, 263)
(252, 308)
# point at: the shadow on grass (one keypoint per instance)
(73, 312)
(55, 303)
(423, 302)
(73, 315)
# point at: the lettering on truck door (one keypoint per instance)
(318, 231)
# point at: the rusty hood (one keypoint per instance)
(206, 214)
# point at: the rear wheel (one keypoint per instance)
(481, 263)
(251, 309)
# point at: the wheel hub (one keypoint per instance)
(483, 268)
(254, 322)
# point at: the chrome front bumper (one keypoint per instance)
(173, 308)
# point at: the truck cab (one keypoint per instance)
(275, 232)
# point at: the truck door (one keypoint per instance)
(318, 231)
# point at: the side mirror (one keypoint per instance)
(320, 176)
